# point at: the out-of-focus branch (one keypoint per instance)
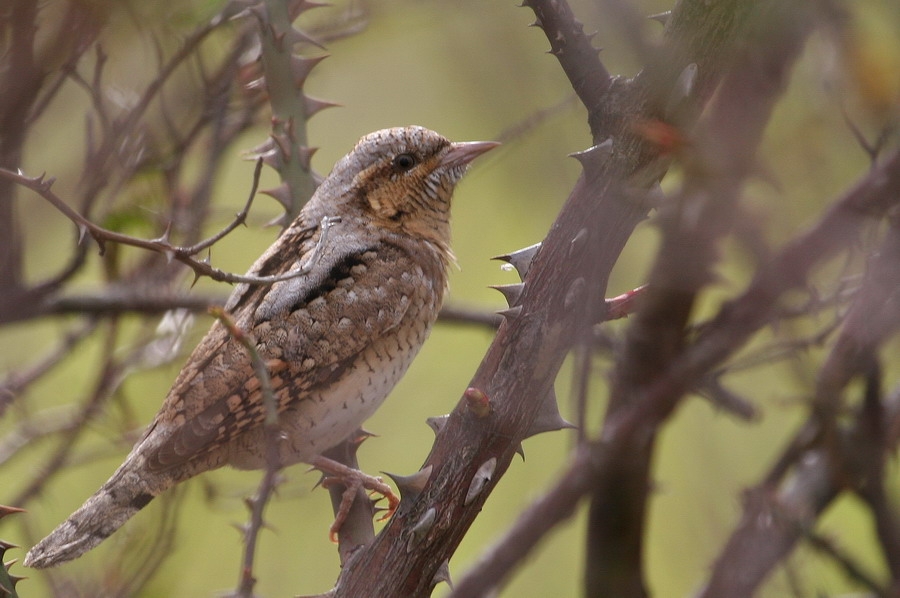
(831, 459)
(21, 83)
(124, 127)
(114, 300)
(117, 301)
(17, 382)
(107, 379)
(693, 222)
(867, 457)
(457, 314)
(868, 202)
(763, 537)
(620, 306)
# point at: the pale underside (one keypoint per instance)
(333, 353)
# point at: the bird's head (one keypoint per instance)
(402, 179)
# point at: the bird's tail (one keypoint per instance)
(123, 495)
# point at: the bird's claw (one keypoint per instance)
(352, 480)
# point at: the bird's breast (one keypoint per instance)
(333, 414)
(389, 322)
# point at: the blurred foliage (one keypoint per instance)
(471, 70)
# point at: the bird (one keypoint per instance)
(361, 276)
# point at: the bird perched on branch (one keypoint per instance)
(371, 250)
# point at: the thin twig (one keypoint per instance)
(37, 426)
(257, 504)
(853, 569)
(239, 218)
(107, 380)
(18, 381)
(115, 301)
(457, 314)
(42, 187)
(526, 125)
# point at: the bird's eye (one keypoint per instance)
(404, 162)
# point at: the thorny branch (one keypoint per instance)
(577, 56)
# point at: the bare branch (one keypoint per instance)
(42, 187)
(455, 314)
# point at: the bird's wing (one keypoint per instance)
(307, 343)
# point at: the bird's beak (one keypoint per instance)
(462, 153)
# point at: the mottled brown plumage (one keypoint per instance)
(335, 340)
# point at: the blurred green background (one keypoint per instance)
(470, 70)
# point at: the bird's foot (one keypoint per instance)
(352, 479)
